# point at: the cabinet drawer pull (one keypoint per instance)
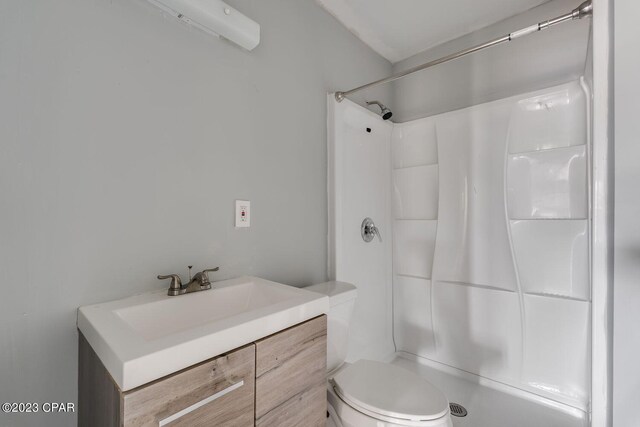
(203, 402)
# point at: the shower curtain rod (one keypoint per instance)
(585, 9)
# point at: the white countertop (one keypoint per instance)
(148, 336)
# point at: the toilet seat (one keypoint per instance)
(389, 393)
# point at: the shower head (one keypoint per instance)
(385, 112)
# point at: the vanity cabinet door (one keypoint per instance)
(219, 392)
(291, 369)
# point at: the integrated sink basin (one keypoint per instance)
(161, 318)
(145, 337)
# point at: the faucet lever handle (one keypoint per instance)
(205, 283)
(208, 270)
(176, 282)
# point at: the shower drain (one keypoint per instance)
(457, 410)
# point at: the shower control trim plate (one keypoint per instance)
(368, 230)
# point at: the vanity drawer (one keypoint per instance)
(219, 392)
(291, 376)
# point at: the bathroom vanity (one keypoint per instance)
(274, 377)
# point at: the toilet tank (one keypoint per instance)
(342, 298)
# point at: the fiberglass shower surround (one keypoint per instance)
(491, 241)
(489, 211)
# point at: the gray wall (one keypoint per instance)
(553, 56)
(125, 138)
(626, 287)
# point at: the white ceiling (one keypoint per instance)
(398, 29)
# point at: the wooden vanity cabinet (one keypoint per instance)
(276, 381)
(291, 369)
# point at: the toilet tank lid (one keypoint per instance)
(338, 292)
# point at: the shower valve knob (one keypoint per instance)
(368, 230)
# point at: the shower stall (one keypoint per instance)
(481, 276)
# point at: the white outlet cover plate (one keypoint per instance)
(243, 213)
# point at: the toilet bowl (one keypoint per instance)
(371, 393)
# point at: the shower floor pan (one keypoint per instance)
(489, 407)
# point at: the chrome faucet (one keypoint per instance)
(199, 282)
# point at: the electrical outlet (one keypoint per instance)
(243, 213)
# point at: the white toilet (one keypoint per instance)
(368, 393)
